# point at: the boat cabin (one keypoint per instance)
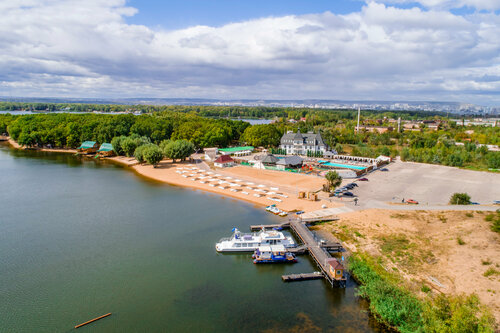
(88, 147)
(336, 270)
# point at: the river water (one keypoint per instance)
(80, 238)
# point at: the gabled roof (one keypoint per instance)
(290, 160)
(224, 159)
(106, 147)
(87, 145)
(334, 263)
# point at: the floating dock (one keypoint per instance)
(302, 277)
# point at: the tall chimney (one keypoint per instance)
(359, 113)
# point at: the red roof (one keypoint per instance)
(224, 159)
(335, 264)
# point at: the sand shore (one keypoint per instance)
(279, 185)
(282, 186)
(54, 150)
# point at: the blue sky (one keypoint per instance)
(174, 14)
(413, 50)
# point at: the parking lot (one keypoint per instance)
(427, 184)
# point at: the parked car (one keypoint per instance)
(300, 212)
(348, 194)
(384, 169)
(354, 184)
(349, 186)
(496, 202)
(474, 203)
(363, 179)
(411, 201)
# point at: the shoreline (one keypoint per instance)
(16, 145)
(165, 173)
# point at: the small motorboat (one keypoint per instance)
(272, 254)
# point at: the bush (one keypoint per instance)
(139, 152)
(460, 199)
(153, 154)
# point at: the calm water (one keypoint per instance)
(80, 238)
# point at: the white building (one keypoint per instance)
(300, 144)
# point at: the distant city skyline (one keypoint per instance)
(374, 50)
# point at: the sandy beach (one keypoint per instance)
(54, 150)
(239, 182)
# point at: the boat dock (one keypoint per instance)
(302, 277)
(317, 249)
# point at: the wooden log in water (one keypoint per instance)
(90, 321)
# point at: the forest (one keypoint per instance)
(209, 126)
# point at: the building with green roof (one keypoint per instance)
(237, 151)
(106, 149)
(88, 147)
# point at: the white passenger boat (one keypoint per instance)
(239, 242)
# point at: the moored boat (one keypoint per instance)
(272, 254)
(240, 242)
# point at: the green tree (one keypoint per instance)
(179, 149)
(116, 142)
(460, 199)
(139, 152)
(333, 180)
(152, 154)
(261, 135)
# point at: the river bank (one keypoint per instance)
(429, 254)
(248, 181)
(288, 184)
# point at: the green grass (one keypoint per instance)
(486, 262)
(491, 272)
(460, 241)
(469, 214)
(397, 307)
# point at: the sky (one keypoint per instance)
(423, 50)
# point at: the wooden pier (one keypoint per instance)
(258, 227)
(302, 277)
(317, 251)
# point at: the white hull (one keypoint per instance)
(250, 242)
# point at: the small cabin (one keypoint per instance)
(88, 147)
(336, 270)
(224, 161)
(106, 149)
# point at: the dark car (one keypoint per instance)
(349, 186)
(348, 194)
(474, 203)
(363, 179)
(354, 184)
(384, 169)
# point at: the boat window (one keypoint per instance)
(237, 245)
(243, 244)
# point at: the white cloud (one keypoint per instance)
(448, 4)
(86, 49)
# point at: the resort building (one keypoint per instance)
(300, 144)
(270, 159)
(289, 162)
(224, 161)
(237, 151)
(88, 147)
(106, 149)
